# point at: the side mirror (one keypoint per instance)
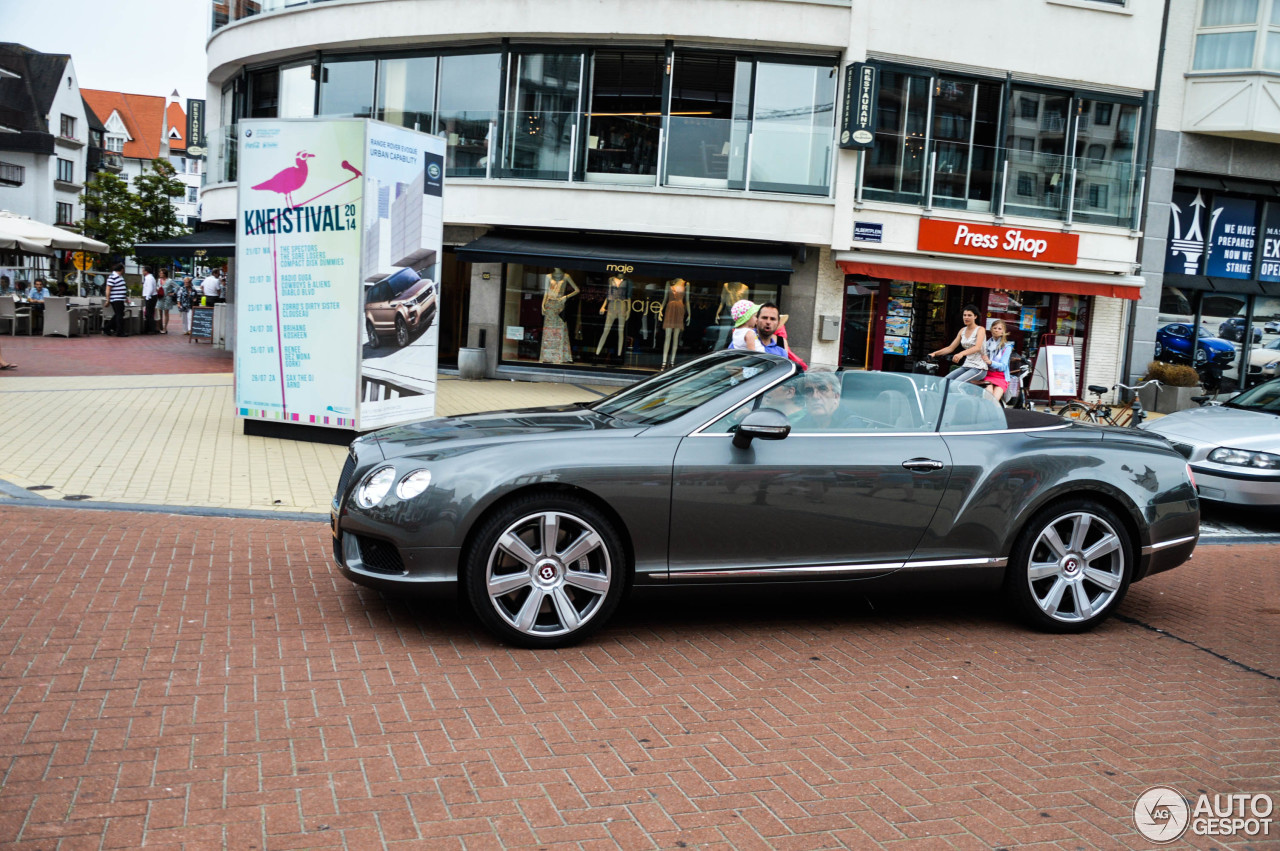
(766, 424)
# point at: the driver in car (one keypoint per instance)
(821, 391)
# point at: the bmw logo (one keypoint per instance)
(248, 132)
(433, 171)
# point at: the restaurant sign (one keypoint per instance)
(858, 98)
(1041, 246)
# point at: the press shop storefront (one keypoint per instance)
(623, 304)
(900, 307)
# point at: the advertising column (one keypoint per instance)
(297, 253)
(403, 241)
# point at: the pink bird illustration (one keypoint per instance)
(289, 180)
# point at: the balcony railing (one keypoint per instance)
(1002, 181)
(635, 150)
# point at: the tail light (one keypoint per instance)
(1192, 478)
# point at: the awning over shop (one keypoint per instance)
(20, 233)
(749, 262)
(217, 241)
(927, 269)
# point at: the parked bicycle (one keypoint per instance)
(1131, 414)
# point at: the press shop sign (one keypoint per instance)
(978, 240)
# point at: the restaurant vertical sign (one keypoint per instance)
(858, 101)
(298, 282)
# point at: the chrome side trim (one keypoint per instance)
(1151, 548)
(893, 433)
(837, 569)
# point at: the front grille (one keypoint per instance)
(1184, 449)
(378, 556)
(345, 479)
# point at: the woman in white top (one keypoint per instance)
(744, 326)
(970, 340)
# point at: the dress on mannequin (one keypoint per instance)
(616, 308)
(733, 292)
(555, 334)
(675, 316)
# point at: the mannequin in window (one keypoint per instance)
(558, 288)
(675, 316)
(733, 292)
(616, 308)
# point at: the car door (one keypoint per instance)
(846, 498)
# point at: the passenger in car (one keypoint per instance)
(783, 399)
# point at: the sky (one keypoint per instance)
(148, 47)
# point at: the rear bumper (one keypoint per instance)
(1166, 555)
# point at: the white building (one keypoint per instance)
(44, 135)
(693, 144)
(1212, 253)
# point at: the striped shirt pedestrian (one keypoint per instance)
(117, 294)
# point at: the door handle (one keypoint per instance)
(922, 465)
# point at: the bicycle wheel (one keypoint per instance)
(1078, 411)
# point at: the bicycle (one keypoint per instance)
(1130, 414)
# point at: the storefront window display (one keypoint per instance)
(613, 321)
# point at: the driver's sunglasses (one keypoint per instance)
(814, 391)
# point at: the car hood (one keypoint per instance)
(1217, 344)
(1219, 426)
(466, 432)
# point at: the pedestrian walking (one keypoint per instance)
(186, 299)
(148, 301)
(4, 364)
(165, 305)
(117, 297)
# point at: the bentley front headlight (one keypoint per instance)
(413, 484)
(375, 486)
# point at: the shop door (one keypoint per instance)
(455, 302)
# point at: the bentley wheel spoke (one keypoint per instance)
(1053, 599)
(528, 614)
(1042, 570)
(517, 549)
(508, 582)
(586, 543)
(550, 532)
(564, 609)
(1084, 608)
(1079, 531)
(1050, 537)
(595, 583)
(1102, 578)
(1108, 544)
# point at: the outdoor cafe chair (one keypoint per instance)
(61, 319)
(14, 314)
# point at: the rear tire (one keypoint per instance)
(546, 570)
(1071, 567)
(1078, 411)
(371, 335)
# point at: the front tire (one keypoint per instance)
(1070, 567)
(402, 332)
(545, 571)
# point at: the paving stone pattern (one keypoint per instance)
(194, 682)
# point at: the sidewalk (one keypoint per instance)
(161, 428)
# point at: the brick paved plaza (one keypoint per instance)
(199, 682)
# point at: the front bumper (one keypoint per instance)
(420, 315)
(1237, 488)
(376, 562)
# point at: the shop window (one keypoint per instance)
(709, 122)
(541, 123)
(792, 128)
(637, 322)
(468, 111)
(346, 88)
(264, 93)
(625, 117)
(407, 92)
(297, 91)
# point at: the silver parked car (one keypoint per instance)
(1233, 449)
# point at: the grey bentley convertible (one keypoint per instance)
(735, 468)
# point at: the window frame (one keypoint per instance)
(69, 209)
(66, 171)
(1263, 26)
(67, 126)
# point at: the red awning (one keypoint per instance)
(925, 275)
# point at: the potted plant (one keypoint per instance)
(1178, 383)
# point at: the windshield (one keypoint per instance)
(665, 397)
(1265, 398)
